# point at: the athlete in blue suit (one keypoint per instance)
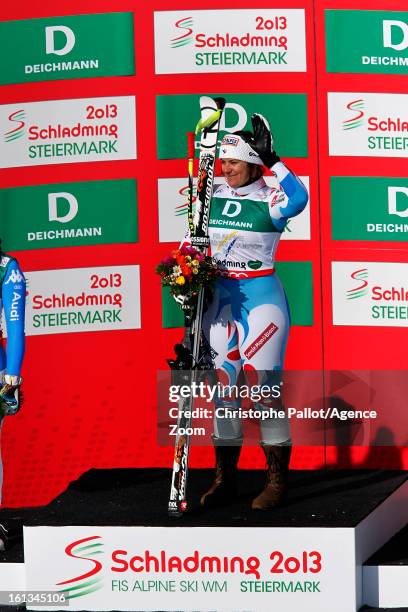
(12, 303)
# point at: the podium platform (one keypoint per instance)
(343, 517)
(385, 571)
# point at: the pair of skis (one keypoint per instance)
(190, 358)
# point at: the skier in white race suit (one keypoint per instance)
(247, 322)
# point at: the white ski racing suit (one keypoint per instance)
(247, 323)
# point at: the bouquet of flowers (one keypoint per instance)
(186, 270)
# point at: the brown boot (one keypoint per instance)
(224, 488)
(277, 459)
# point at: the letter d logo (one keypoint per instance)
(238, 122)
(226, 211)
(392, 201)
(50, 42)
(53, 207)
(400, 28)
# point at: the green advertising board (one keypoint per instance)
(69, 214)
(70, 47)
(367, 41)
(296, 277)
(369, 208)
(287, 115)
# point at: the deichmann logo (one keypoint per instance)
(356, 106)
(84, 584)
(173, 201)
(362, 289)
(215, 41)
(393, 228)
(392, 201)
(69, 214)
(392, 31)
(61, 199)
(68, 130)
(380, 296)
(379, 206)
(379, 41)
(186, 38)
(381, 119)
(232, 208)
(63, 47)
(53, 206)
(50, 44)
(400, 31)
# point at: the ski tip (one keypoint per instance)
(221, 102)
(207, 123)
(215, 103)
(207, 102)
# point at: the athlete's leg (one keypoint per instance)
(263, 327)
(221, 333)
(263, 331)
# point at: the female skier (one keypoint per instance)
(12, 302)
(247, 322)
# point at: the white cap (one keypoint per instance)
(234, 146)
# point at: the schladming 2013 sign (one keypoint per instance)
(230, 41)
(67, 131)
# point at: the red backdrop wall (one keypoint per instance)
(91, 397)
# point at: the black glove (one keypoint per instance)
(263, 141)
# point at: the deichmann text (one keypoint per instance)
(375, 60)
(58, 66)
(388, 227)
(80, 232)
